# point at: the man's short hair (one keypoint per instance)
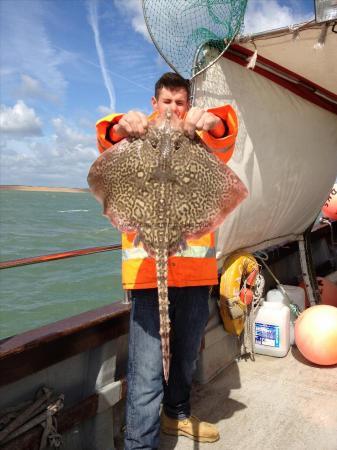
(171, 80)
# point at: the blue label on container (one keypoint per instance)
(268, 335)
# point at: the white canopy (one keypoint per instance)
(286, 151)
(309, 50)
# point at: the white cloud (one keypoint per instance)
(33, 88)
(19, 121)
(93, 20)
(133, 10)
(27, 48)
(62, 159)
(67, 138)
(104, 110)
(262, 15)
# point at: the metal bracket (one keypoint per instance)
(308, 270)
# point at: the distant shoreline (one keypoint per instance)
(18, 187)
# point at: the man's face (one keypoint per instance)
(175, 99)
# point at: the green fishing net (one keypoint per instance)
(184, 31)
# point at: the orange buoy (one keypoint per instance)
(327, 290)
(329, 209)
(316, 334)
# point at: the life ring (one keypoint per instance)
(239, 271)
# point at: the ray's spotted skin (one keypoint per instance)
(168, 189)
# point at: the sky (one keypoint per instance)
(66, 63)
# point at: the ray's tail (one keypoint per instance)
(164, 319)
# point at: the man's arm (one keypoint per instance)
(221, 139)
(113, 128)
(199, 119)
(104, 128)
(133, 123)
(217, 127)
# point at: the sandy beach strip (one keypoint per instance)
(41, 188)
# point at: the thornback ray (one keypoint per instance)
(166, 188)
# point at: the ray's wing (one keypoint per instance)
(206, 190)
(118, 178)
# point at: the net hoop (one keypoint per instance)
(195, 70)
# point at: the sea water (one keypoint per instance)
(37, 223)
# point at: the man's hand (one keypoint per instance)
(199, 119)
(133, 123)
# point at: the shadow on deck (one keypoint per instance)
(274, 403)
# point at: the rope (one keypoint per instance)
(248, 336)
(14, 421)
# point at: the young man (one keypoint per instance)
(190, 273)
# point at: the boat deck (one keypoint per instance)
(273, 403)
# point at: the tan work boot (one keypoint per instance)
(191, 427)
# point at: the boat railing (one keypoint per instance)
(77, 333)
(57, 256)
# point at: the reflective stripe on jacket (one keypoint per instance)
(196, 265)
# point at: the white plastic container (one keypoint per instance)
(276, 296)
(296, 295)
(272, 329)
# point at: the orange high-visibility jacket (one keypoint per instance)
(196, 265)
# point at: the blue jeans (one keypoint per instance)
(146, 389)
